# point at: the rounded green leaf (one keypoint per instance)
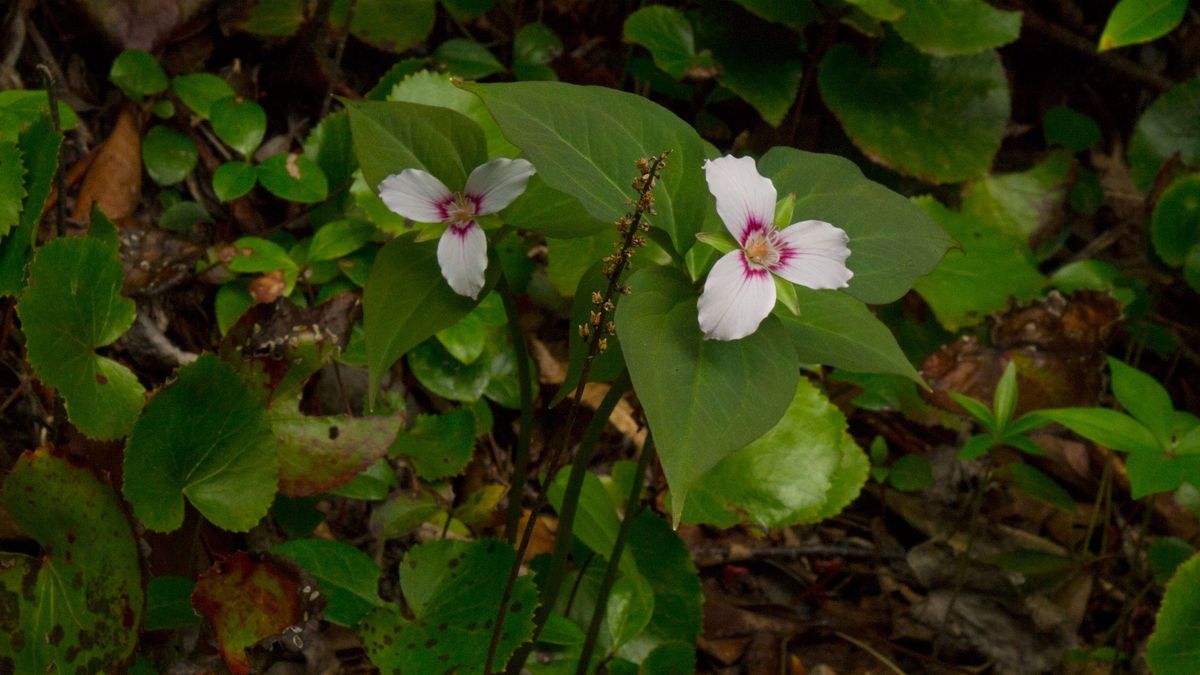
(138, 74)
(1175, 225)
(320, 454)
(169, 155)
(940, 120)
(666, 33)
(349, 579)
(1169, 126)
(910, 473)
(293, 177)
(204, 437)
(441, 373)
(467, 59)
(184, 216)
(534, 47)
(436, 89)
(439, 446)
(232, 180)
(339, 238)
(1136, 21)
(76, 606)
(199, 91)
(955, 27)
(1070, 128)
(704, 399)
(630, 606)
(240, 124)
(72, 306)
(1172, 647)
(892, 241)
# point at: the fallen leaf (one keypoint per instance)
(113, 181)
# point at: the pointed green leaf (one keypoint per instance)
(1106, 427)
(348, 578)
(1136, 21)
(234, 179)
(1144, 398)
(320, 454)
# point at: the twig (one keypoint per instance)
(1080, 45)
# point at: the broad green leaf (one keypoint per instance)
(39, 152)
(390, 137)
(439, 446)
(331, 145)
(452, 591)
(29, 105)
(784, 478)
(401, 514)
(169, 604)
(534, 47)
(585, 141)
(169, 155)
(1156, 472)
(339, 238)
(955, 27)
(704, 399)
(199, 91)
(319, 454)
(349, 579)
(976, 446)
(940, 120)
(435, 89)
(467, 59)
(666, 33)
(630, 606)
(1106, 427)
(76, 606)
(556, 214)
(247, 598)
(836, 330)
(399, 70)
(467, 338)
(1019, 204)
(1175, 225)
(438, 371)
(1171, 649)
(390, 25)
(1041, 487)
(979, 277)
(138, 74)
(761, 62)
(1136, 21)
(1070, 128)
(664, 562)
(892, 241)
(1144, 398)
(72, 306)
(1169, 126)
(232, 180)
(205, 437)
(241, 124)
(12, 186)
(293, 177)
(406, 301)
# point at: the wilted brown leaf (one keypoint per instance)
(113, 182)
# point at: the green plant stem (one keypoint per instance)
(566, 518)
(632, 509)
(521, 454)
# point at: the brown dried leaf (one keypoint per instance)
(113, 182)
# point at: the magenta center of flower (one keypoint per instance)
(764, 248)
(460, 210)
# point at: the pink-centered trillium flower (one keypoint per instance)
(462, 249)
(739, 292)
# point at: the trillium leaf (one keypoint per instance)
(320, 454)
(556, 214)
(205, 437)
(585, 142)
(1135, 21)
(955, 27)
(1169, 126)
(451, 589)
(892, 241)
(72, 306)
(349, 579)
(940, 120)
(1172, 647)
(435, 89)
(704, 399)
(77, 606)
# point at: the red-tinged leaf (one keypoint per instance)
(246, 599)
(319, 454)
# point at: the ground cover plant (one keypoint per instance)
(482, 336)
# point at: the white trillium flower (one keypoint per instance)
(739, 292)
(462, 249)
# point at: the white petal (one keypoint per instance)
(416, 195)
(496, 184)
(814, 255)
(745, 199)
(462, 254)
(737, 297)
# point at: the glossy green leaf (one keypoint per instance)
(784, 477)
(1135, 21)
(77, 605)
(12, 186)
(205, 437)
(1175, 225)
(892, 241)
(978, 278)
(687, 383)
(1022, 203)
(438, 371)
(664, 562)
(169, 604)
(339, 238)
(232, 180)
(257, 255)
(452, 591)
(348, 578)
(955, 27)
(293, 177)
(467, 59)
(435, 89)
(1144, 398)
(169, 155)
(138, 74)
(199, 91)
(596, 519)
(439, 446)
(666, 33)
(837, 330)
(72, 306)
(940, 120)
(586, 142)
(534, 47)
(1070, 128)
(1171, 649)
(401, 514)
(469, 336)
(1106, 427)
(556, 214)
(391, 25)
(1169, 126)
(630, 607)
(240, 124)
(320, 454)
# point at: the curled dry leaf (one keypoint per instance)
(113, 181)
(267, 288)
